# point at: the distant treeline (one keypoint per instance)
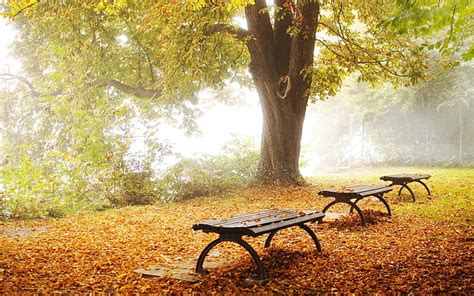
(431, 123)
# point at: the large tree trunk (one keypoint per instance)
(277, 64)
(281, 136)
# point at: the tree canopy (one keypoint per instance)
(169, 50)
(446, 26)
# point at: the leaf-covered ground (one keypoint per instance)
(426, 247)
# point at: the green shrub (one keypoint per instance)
(210, 174)
(63, 183)
(136, 188)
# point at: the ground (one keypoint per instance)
(425, 247)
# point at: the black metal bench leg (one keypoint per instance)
(362, 217)
(327, 208)
(202, 257)
(330, 205)
(382, 199)
(303, 226)
(353, 205)
(313, 236)
(260, 269)
(400, 190)
(246, 246)
(424, 185)
(269, 238)
(355, 202)
(408, 188)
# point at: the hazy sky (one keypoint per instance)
(6, 37)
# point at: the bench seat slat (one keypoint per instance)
(360, 188)
(405, 177)
(241, 217)
(375, 191)
(267, 219)
(311, 217)
(280, 219)
(355, 191)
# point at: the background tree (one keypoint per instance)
(446, 26)
(427, 124)
(166, 51)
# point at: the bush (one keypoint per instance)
(62, 184)
(208, 175)
(136, 188)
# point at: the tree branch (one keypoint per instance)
(145, 52)
(302, 46)
(262, 49)
(8, 76)
(452, 23)
(302, 51)
(24, 8)
(356, 62)
(363, 50)
(239, 33)
(138, 92)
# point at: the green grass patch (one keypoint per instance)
(452, 190)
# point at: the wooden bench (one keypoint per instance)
(353, 194)
(404, 179)
(255, 224)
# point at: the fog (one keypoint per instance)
(427, 124)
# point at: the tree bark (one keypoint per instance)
(277, 63)
(281, 132)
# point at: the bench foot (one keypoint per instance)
(202, 257)
(302, 226)
(260, 276)
(353, 206)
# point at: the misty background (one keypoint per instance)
(430, 124)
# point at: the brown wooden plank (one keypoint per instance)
(291, 218)
(311, 217)
(360, 188)
(404, 177)
(218, 229)
(263, 220)
(256, 218)
(239, 217)
(335, 193)
(375, 191)
(354, 191)
(242, 222)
